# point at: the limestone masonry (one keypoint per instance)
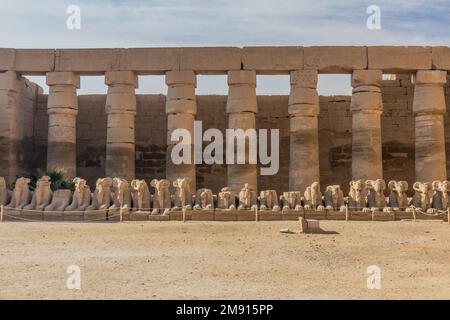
(393, 129)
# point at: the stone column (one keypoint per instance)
(10, 123)
(181, 108)
(366, 107)
(121, 111)
(429, 110)
(242, 108)
(304, 138)
(62, 109)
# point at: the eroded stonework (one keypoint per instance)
(388, 129)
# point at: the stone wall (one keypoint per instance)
(18, 99)
(334, 136)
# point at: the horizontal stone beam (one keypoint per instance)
(87, 61)
(272, 60)
(27, 61)
(210, 60)
(399, 59)
(335, 59)
(220, 60)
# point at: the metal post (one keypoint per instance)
(256, 214)
(1, 213)
(121, 214)
(414, 214)
(184, 214)
(448, 215)
(346, 212)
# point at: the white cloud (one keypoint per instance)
(116, 23)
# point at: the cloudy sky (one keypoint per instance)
(155, 23)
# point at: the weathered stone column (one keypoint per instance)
(62, 109)
(304, 138)
(10, 123)
(242, 108)
(121, 111)
(181, 108)
(429, 110)
(366, 108)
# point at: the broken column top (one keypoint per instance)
(242, 77)
(121, 77)
(366, 78)
(181, 77)
(304, 78)
(430, 77)
(61, 78)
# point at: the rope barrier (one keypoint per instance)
(438, 212)
(18, 217)
(40, 220)
(120, 214)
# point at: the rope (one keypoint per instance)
(17, 217)
(3, 214)
(437, 214)
(33, 220)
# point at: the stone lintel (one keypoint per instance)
(399, 59)
(272, 60)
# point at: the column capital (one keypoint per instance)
(304, 78)
(303, 98)
(366, 94)
(366, 78)
(241, 92)
(121, 78)
(437, 77)
(242, 77)
(181, 77)
(61, 78)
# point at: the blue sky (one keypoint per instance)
(154, 23)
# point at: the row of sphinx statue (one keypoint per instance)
(116, 193)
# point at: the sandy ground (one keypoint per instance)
(224, 260)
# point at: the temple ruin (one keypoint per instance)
(394, 129)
